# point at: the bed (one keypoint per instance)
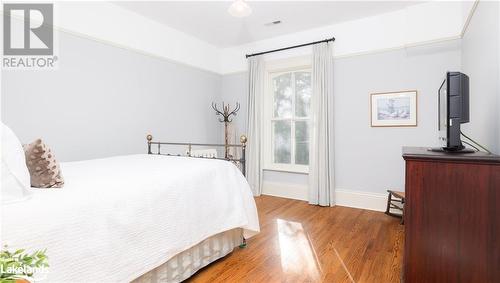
(141, 218)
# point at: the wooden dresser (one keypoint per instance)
(452, 217)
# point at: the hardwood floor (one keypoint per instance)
(299, 242)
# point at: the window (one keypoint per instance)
(288, 101)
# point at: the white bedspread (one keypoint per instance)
(117, 218)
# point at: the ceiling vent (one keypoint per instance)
(272, 23)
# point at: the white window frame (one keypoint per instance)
(273, 70)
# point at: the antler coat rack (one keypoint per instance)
(226, 114)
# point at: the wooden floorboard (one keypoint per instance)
(299, 242)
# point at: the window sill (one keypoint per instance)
(288, 169)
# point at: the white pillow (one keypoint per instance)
(15, 175)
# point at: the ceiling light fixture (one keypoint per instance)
(239, 9)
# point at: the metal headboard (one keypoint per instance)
(240, 162)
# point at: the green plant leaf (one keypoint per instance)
(20, 259)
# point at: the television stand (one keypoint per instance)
(452, 223)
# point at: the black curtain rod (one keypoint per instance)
(291, 47)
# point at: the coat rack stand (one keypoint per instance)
(226, 114)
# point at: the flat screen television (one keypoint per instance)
(453, 100)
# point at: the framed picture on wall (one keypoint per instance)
(394, 109)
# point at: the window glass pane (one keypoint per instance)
(282, 141)
(282, 89)
(302, 93)
(301, 143)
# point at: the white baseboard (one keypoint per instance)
(349, 198)
(285, 190)
(364, 200)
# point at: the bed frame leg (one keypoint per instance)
(244, 244)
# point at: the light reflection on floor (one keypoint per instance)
(297, 255)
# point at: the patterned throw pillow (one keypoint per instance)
(42, 165)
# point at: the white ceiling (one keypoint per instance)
(210, 21)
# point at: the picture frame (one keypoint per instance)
(394, 109)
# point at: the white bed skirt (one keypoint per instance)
(188, 262)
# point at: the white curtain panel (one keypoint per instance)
(256, 77)
(321, 179)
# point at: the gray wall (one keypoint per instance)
(369, 159)
(366, 158)
(234, 89)
(480, 61)
(103, 100)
